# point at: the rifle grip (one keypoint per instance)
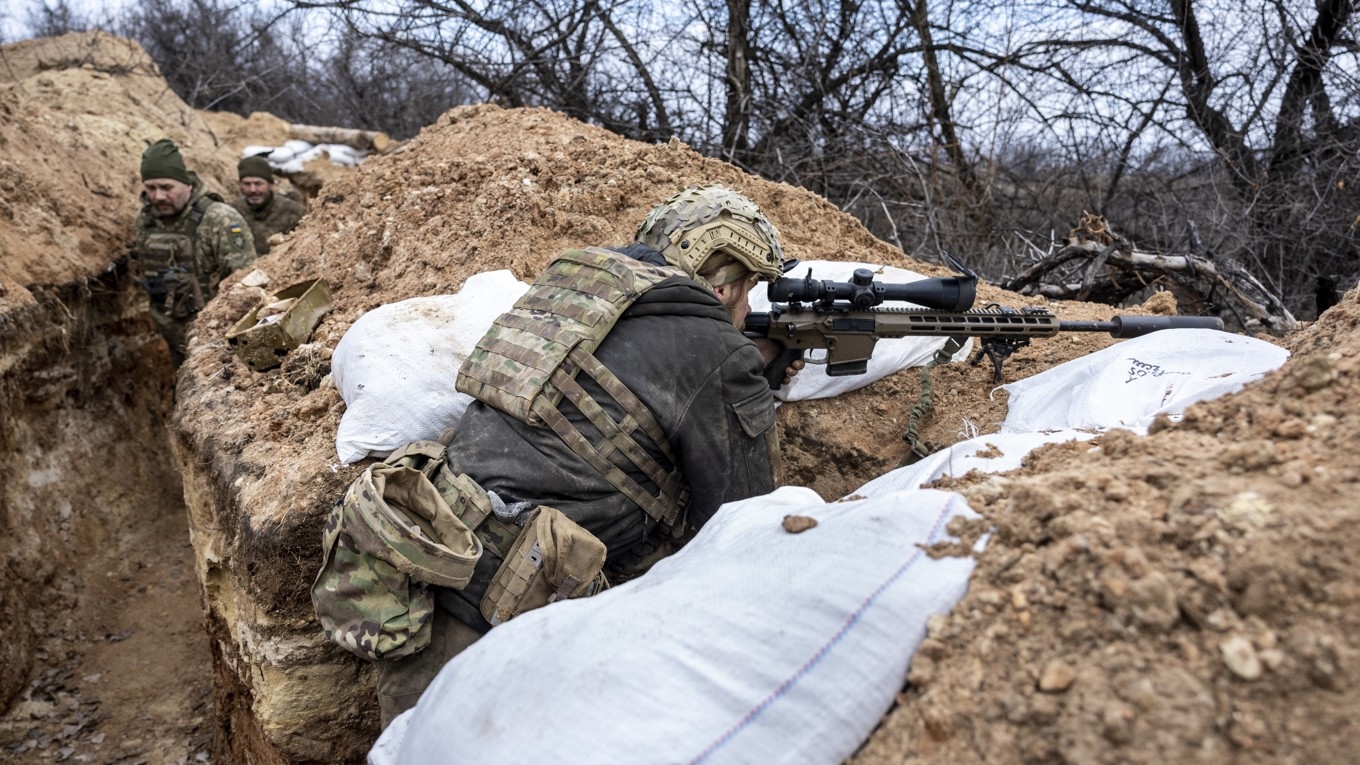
(774, 371)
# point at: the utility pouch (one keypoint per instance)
(183, 295)
(552, 558)
(464, 496)
(386, 541)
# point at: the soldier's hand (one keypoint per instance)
(769, 349)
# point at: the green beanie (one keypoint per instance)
(255, 167)
(162, 160)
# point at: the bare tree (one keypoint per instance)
(1251, 87)
(569, 54)
(53, 19)
(216, 56)
(979, 126)
(379, 86)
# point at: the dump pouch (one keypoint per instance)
(388, 538)
(464, 496)
(553, 558)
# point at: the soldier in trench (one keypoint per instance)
(670, 417)
(266, 212)
(187, 240)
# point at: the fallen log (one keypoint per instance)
(1100, 266)
(363, 140)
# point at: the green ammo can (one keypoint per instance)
(280, 323)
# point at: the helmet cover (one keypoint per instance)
(700, 222)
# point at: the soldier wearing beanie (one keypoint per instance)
(187, 240)
(267, 213)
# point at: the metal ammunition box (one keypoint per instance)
(262, 339)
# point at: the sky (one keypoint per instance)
(14, 14)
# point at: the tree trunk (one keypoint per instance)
(737, 115)
(364, 140)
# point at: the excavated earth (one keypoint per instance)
(1183, 596)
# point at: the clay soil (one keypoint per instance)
(1180, 597)
(104, 656)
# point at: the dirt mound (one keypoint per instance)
(1185, 597)
(74, 120)
(75, 114)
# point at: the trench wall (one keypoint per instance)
(85, 387)
(283, 694)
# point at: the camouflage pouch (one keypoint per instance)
(553, 558)
(467, 500)
(183, 294)
(165, 259)
(389, 538)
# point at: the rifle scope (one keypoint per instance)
(943, 293)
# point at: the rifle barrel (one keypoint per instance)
(1124, 327)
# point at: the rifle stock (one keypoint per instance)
(845, 320)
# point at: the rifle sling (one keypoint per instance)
(926, 403)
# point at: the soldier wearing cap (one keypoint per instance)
(267, 213)
(187, 240)
(640, 431)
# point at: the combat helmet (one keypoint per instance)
(700, 221)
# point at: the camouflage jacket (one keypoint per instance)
(676, 349)
(208, 239)
(277, 214)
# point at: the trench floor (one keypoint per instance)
(125, 677)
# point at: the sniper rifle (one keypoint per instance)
(846, 319)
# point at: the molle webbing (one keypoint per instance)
(530, 357)
(673, 495)
(195, 217)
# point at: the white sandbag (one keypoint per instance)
(750, 645)
(255, 151)
(342, 155)
(995, 453)
(283, 159)
(889, 355)
(299, 149)
(1124, 386)
(396, 365)
(1127, 384)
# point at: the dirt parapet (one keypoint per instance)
(1187, 596)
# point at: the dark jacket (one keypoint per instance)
(677, 350)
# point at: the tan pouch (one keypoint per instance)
(552, 558)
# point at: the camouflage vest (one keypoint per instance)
(527, 363)
(171, 269)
